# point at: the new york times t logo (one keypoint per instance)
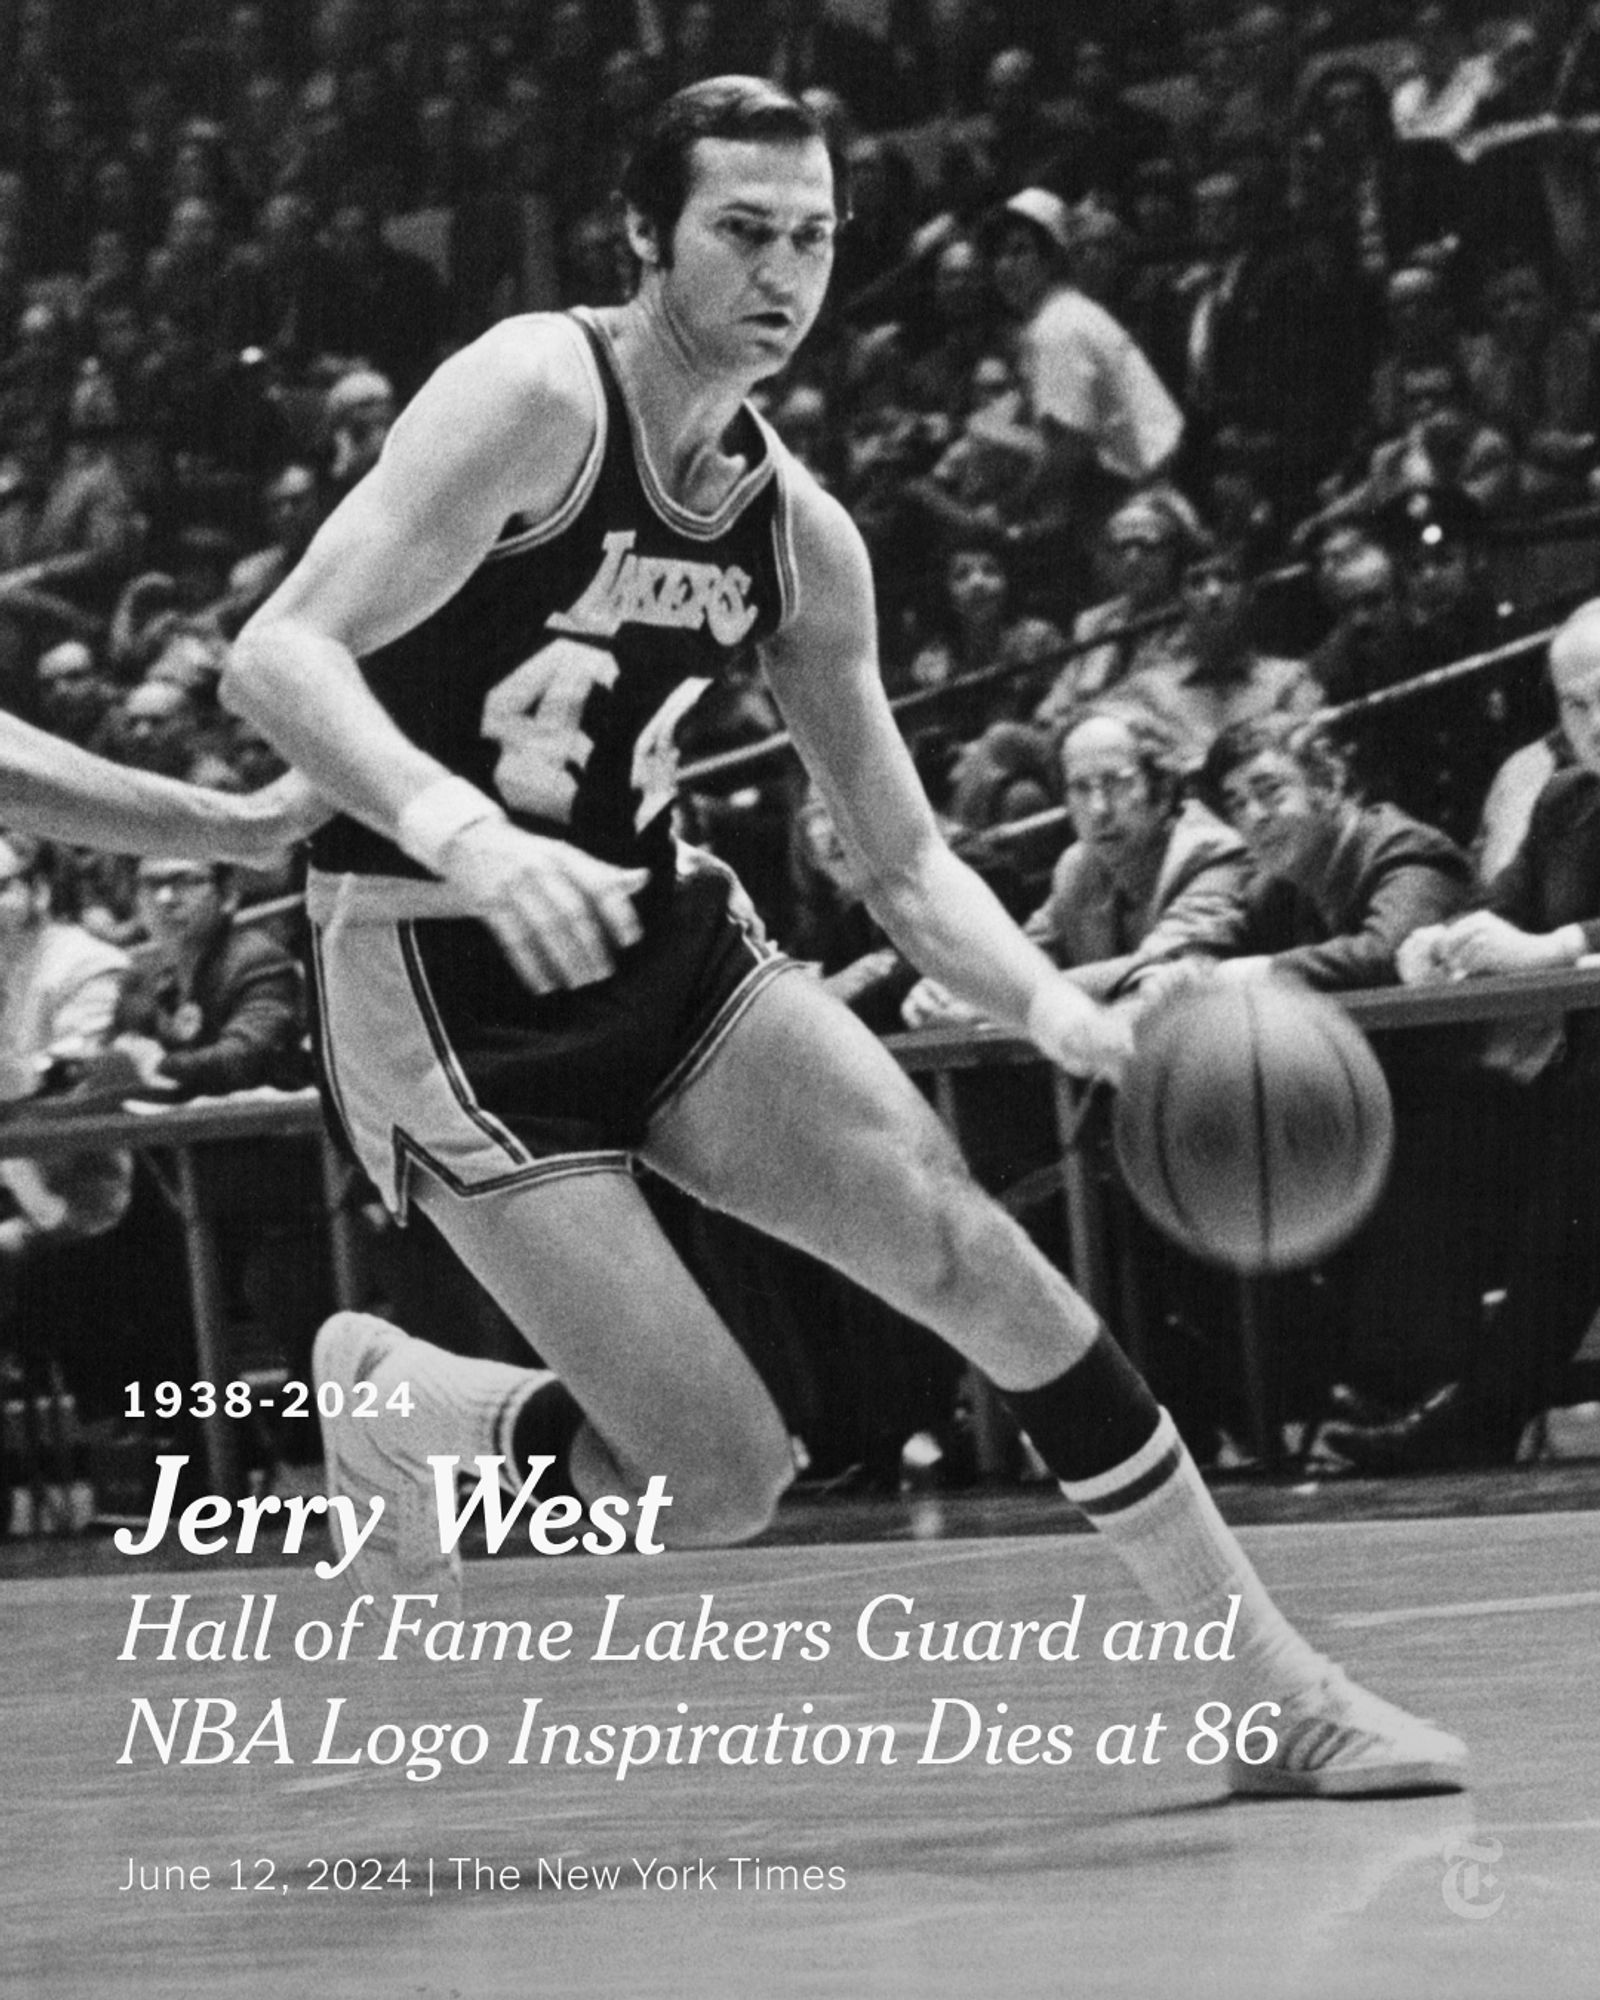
(1466, 1883)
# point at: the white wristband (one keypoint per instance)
(430, 821)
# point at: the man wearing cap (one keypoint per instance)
(1097, 406)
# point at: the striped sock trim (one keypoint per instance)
(1124, 1485)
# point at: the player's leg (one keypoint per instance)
(581, 1267)
(801, 1123)
(649, 1381)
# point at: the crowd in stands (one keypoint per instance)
(1193, 369)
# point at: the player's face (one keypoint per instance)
(751, 253)
(1108, 793)
(1287, 823)
(1575, 673)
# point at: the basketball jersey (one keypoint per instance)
(556, 676)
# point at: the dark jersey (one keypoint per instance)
(555, 677)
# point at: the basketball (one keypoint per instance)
(1254, 1125)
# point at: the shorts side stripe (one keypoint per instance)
(319, 979)
(410, 1157)
(427, 1008)
(678, 1079)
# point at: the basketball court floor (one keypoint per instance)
(771, 1877)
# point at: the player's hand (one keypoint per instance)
(1161, 984)
(930, 1005)
(560, 915)
(1078, 1034)
(1233, 971)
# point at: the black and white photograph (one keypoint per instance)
(800, 998)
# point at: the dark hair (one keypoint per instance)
(1305, 743)
(655, 182)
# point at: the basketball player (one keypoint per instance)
(481, 659)
(51, 787)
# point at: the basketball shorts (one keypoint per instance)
(434, 1054)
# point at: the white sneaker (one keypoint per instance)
(1338, 1741)
(384, 1453)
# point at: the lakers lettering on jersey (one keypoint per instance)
(558, 674)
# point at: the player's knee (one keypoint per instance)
(732, 1498)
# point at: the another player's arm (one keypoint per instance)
(51, 787)
(824, 674)
(502, 428)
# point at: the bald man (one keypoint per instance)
(1541, 913)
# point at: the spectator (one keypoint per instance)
(984, 637)
(1541, 912)
(1148, 876)
(382, 304)
(1097, 408)
(359, 414)
(1367, 647)
(209, 1008)
(291, 503)
(1151, 539)
(1219, 677)
(72, 693)
(1443, 445)
(58, 995)
(1421, 331)
(1339, 886)
(1531, 375)
(273, 286)
(155, 727)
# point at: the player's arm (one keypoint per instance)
(502, 428)
(824, 674)
(51, 787)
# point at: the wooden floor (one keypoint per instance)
(959, 1879)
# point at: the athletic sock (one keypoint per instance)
(479, 1400)
(1118, 1457)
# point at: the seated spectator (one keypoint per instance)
(1443, 445)
(359, 414)
(1531, 375)
(1145, 879)
(1150, 540)
(291, 506)
(212, 1007)
(1366, 648)
(380, 302)
(1436, 755)
(1218, 677)
(981, 635)
(1339, 886)
(1541, 912)
(58, 995)
(72, 693)
(1421, 330)
(219, 1004)
(156, 726)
